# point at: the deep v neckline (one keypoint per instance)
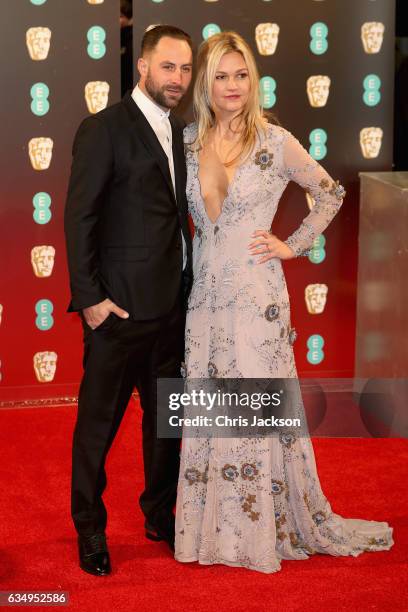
(227, 195)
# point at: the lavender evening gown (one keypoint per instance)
(253, 501)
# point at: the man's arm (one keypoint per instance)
(91, 171)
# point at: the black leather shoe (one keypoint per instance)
(94, 554)
(161, 530)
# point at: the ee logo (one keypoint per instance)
(39, 94)
(210, 29)
(42, 203)
(315, 354)
(318, 139)
(267, 86)
(372, 95)
(318, 32)
(44, 320)
(96, 38)
(317, 252)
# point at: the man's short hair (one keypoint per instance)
(152, 37)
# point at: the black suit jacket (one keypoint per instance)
(122, 218)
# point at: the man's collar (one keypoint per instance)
(147, 106)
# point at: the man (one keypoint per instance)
(129, 257)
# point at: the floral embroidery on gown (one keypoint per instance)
(254, 501)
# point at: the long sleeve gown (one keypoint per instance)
(254, 501)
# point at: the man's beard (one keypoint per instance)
(160, 94)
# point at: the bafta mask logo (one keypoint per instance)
(96, 95)
(372, 35)
(42, 259)
(315, 297)
(370, 141)
(318, 89)
(40, 152)
(95, 1)
(267, 36)
(1, 313)
(45, 365)
(310, 201)
(38, 43)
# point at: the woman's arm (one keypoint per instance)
(328, 194)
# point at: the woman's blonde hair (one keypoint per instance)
(252, 120)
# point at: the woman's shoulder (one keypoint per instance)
(276, 133)
(190, 132)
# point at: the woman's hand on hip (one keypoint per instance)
(269, 246)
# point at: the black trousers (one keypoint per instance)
(120, 355)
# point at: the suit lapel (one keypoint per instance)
(147, 135)
(178, 158)
(180, 172)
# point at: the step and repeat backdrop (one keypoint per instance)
(60, 62)
(326, 71)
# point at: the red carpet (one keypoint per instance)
(361, 478)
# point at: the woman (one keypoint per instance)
(241, 501)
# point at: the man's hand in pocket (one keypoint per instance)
(96, 315)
